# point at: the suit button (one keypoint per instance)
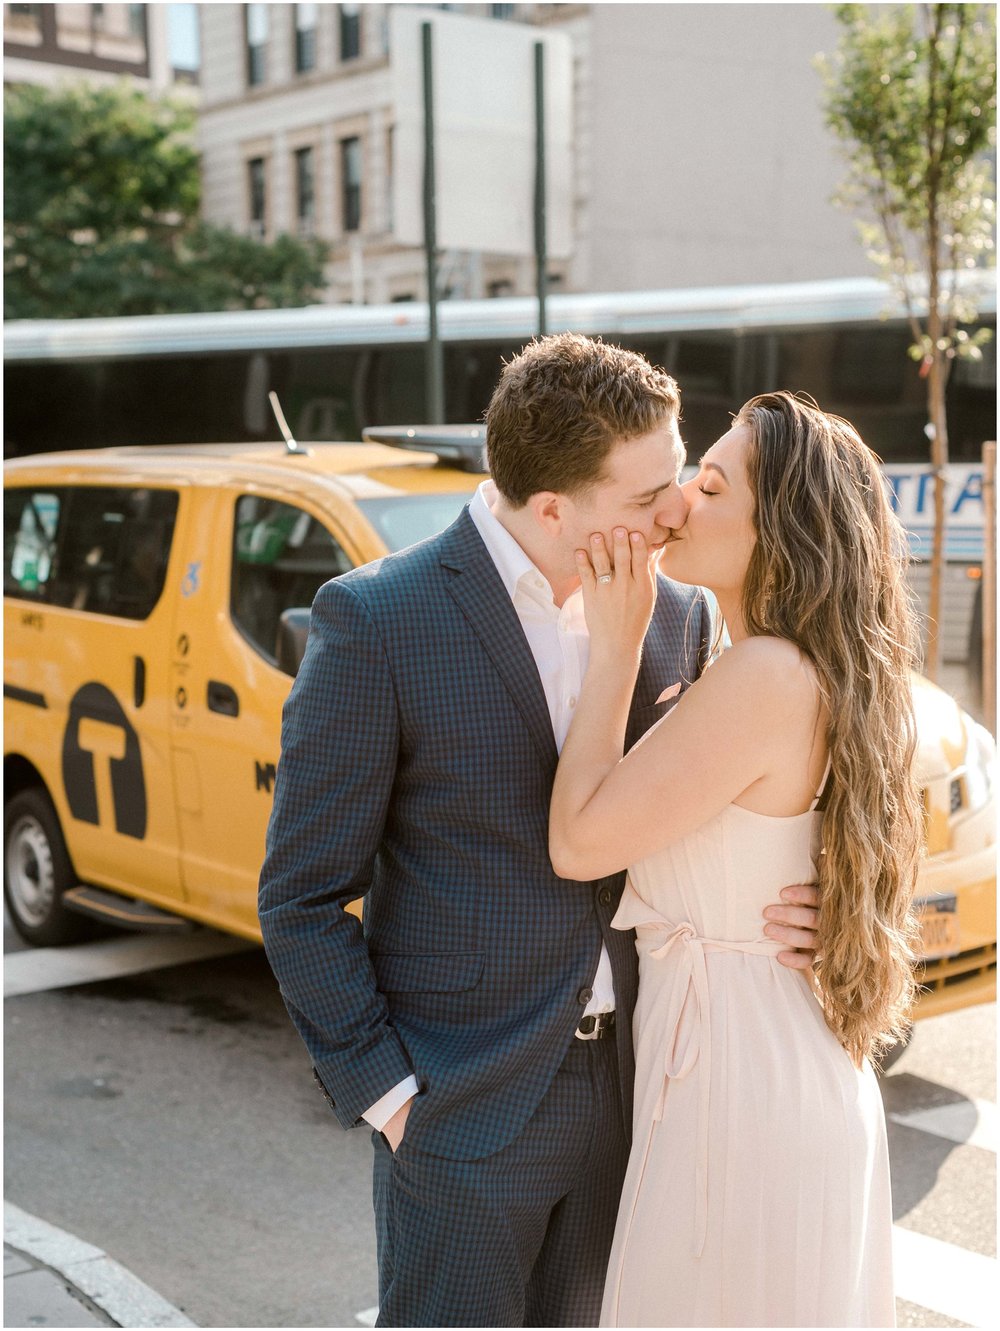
(584, 996)
(604, 897)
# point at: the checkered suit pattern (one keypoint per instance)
(416, 768)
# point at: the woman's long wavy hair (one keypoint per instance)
(827, 573)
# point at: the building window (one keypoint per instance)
(97, 16)
(305, 190)
(257, 33)
(137, 20)
(257, 181)
(390, 199)
(350, 174)
(503, 287)
(350, 32)
(24, 18)
(305, 38)
(501, 11)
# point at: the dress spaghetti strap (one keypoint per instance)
(823, 784)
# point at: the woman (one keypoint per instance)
(757, 1191)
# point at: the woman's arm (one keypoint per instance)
(732, 727)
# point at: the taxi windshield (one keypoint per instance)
(405, 519)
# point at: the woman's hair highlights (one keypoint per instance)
(828, 573)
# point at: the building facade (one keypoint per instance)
(699, 158)
(50, 43)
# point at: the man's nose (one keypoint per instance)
(674, 509)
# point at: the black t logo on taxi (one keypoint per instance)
(98, 730)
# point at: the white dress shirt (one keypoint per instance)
(560, 645)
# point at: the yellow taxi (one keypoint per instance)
(155, 611)
(156, 604)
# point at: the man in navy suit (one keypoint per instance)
(480, 1020)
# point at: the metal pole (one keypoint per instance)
(541, 255)
(989, 586)
(435, 362)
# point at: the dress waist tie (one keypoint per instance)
(688, 1016)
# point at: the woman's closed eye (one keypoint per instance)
(707, 492)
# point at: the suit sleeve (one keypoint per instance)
(339, 746)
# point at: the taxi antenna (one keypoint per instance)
(286, 433)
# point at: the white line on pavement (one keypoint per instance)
(969, 1122)
(944, 1278)
(125, 1298)
(56, 967)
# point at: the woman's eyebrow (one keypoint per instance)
(707, 462)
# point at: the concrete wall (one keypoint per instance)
(708, 159)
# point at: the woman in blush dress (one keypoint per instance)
(757, 1191)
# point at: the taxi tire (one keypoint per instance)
(31, 832)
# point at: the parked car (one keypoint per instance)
(155, 610)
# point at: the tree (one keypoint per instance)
(911, 93)
(101, 198)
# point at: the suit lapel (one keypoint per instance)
(479, 593)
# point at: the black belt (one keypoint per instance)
(596, 1026)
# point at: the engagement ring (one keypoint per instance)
(605, 577)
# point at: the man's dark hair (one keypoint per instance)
(561, 405)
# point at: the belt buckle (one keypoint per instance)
(596, 1026)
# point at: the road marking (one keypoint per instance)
(968, 1122)
(367, 1316)
(944, 1278)
(126, 1299)
(57, 967)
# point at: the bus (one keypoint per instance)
(204, 378)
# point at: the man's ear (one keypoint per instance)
(549, 511)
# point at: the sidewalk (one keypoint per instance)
(52, 1278)
(33, 1295)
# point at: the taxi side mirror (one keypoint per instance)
(293, 630)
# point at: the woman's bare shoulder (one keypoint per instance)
(775, 668)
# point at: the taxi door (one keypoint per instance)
(87, 613)
(254, 553)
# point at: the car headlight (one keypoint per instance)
(980, 765)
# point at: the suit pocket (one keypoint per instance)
(427, 972)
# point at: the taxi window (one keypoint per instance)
(404, 520)
(101, 549)
(281, 557)
(30, 530)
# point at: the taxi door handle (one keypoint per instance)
(139, 682)
(222, 698)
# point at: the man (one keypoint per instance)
(481, 1021)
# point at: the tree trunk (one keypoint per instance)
(939, 459)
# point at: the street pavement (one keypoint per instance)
(183, 1134)
(164, 1121)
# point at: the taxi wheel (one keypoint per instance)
(37, 871)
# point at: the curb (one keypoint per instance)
(116, 1292)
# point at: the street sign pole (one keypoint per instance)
(435, 361)
(541, 255)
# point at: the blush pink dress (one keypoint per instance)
(757, 1192)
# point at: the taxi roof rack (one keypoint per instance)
(463, 446)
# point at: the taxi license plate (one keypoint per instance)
(939, 933)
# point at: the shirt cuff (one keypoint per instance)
(382, 1110)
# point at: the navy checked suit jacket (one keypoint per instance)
(416, 770)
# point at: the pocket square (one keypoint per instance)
(672, 692)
